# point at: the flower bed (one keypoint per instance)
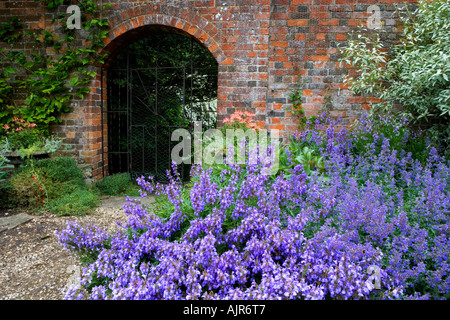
(23, 140)
(371, 222)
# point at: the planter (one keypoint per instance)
(16, 160)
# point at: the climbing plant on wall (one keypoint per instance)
(57, 70)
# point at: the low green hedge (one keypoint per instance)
(56, 185)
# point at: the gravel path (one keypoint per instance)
(33, 265)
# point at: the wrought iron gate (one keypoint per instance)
(144, 107)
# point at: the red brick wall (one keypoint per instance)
(262, 46)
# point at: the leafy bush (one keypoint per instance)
(240, 234)
(372, 132)
(24, 139)
(60, 170)
(4, 166)
(21, 134)
(56, 185)
(79, 202)
(5, 171)
(415, 74)
(116, 184)
(305, 147)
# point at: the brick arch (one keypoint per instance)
(133, 28)
(202, 30)
(261, 47)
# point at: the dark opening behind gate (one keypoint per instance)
(155, 86)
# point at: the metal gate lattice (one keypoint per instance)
(144, 107)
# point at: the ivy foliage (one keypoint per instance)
(414, 74)
(56, 72)
(8, 30)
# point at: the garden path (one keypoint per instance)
(33, 265)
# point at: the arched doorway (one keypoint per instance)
(155, 85)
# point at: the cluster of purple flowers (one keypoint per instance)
(239, 234)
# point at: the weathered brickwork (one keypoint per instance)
(263, 48)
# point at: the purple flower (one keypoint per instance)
(238, 233)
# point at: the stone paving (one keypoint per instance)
(10, 222)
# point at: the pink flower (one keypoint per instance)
(234, 117)
(253, 125)
(6, 127)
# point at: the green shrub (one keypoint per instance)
(372, 132)
(79, 202)
(116, 184)
(4, 170)
(61, 169)
(414, 74)
(24, 193)
(56, 185)
(296, 153)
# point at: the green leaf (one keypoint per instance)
(73, 81)
(9, 70)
